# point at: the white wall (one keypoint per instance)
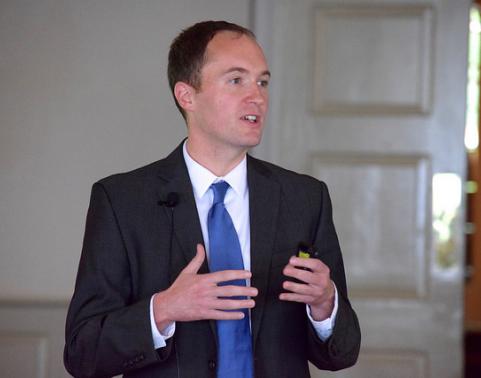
(83, 94)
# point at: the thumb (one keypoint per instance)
(195, 264)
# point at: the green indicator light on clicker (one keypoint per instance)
(303, 255)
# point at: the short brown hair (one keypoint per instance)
(187, 52)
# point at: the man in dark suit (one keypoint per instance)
(146, 303)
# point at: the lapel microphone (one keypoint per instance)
(171, 200)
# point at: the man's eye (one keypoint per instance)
(263, 83)
(235, 80)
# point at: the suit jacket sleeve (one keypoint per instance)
(342, 348)
(107, 332)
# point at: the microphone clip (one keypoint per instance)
(171, 200)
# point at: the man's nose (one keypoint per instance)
(257, 94)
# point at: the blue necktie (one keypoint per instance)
(234, 338)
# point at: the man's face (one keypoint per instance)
(230, 107)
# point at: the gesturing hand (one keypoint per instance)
(195, 296)
(316, 288)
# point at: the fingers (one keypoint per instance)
(310, 271)
(299, 274)
(312, 264)
(232, 304)
(322, 297)
(235, 291)
(224, 315)
(228, 275)
(195, 264)
(293, 297)
(224, 309)
(193, 296)
(314, 286)
(306, 293)
(299, 288)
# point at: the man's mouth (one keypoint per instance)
(252, 118)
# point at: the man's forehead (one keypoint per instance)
(228, 44)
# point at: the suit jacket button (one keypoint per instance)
(212, 364)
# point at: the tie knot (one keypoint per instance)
(220, 189)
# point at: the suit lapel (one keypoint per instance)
(187, 231)
(264, 197)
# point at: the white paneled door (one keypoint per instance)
(369, 96)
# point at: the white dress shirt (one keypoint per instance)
(237, 204)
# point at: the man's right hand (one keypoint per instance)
(195, 296)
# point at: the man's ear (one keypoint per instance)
(184, 93)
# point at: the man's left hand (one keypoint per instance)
(315, 288)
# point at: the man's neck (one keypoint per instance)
(219, 161)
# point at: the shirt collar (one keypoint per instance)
(202, 178)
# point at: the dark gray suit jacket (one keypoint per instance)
(133, 248)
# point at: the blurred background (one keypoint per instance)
(380, 99)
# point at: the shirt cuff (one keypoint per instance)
(324, 327)
(159, 337)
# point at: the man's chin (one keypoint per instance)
(253, 143)
(254, 139)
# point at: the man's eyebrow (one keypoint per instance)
(243, 70)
